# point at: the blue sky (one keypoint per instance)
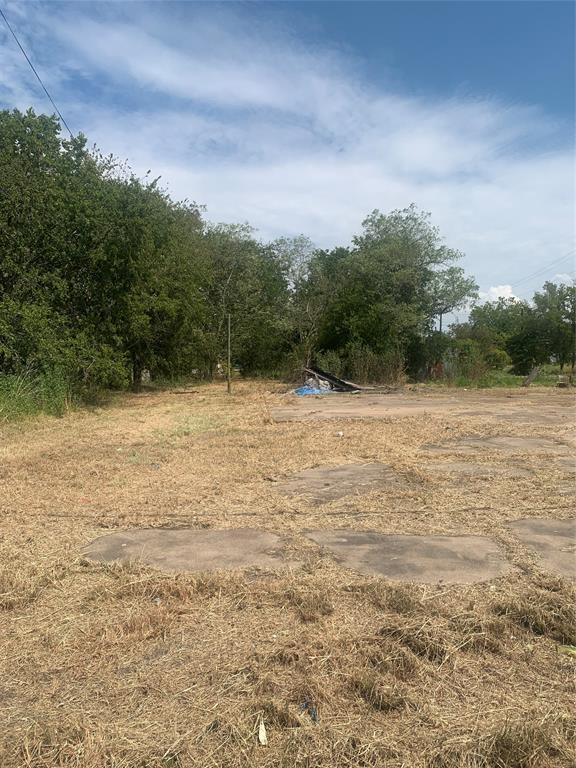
(304, 117)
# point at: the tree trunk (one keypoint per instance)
(137, 369)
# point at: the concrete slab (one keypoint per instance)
(501, 443)
(425, 559)
(189, 549)
(472, 469)
(321, 484)
(567, 464)
(519, 407)
(553, 540)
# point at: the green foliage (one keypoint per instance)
(330, 361)
(465, 360)
(364, 366)
(523, 334)
(374, 303)
(104, 276)
(26, 394)
(497, 358)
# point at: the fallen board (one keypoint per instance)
(321, 484)
(425, 559)
(553, 540)
(189, 549)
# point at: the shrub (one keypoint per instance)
(497, 358)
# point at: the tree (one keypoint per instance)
(555, 305)
(380, 295)
(450, 289)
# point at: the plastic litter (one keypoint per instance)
(305, 390)
(308, 706)
(262, 736)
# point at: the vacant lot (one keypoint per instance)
(117, 666)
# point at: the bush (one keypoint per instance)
(497, 358)
(365, 366)
(27, 393)
(330, 361)
(464, 360)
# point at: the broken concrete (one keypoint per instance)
(426, 559)
(553, 540)
(502, 443)
(321, 484)
(472, 469)
(189, 549)
(545, 408)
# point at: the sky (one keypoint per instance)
(304, 117)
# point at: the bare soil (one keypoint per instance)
(110, 666)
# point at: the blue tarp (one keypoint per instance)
(303, 391)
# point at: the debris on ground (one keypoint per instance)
(262, 735)
(320, 382)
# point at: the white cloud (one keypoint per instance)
(498, 292)
(564, 277)
(246, 119)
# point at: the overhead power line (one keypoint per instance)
(33, 68)
(545, 268)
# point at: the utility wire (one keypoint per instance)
(33, 68)
(542, 270)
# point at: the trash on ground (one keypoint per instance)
(320, 382)
(309, 707)
(262, 736)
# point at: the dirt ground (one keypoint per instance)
(111, 666)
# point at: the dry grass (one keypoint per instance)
(552, 615)
(382, 697)
(126, 667)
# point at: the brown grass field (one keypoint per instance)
(108, 666)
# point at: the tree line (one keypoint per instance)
(104, 276)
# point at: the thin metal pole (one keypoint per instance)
(229, 375)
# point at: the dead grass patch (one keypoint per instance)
(551, 614)
(388, 657)
(476, 632)
(424, 640)
(139, 624)
(122, 666)
(385, 698)
(278, 716)
(310, 604)
(21, 584)
(532, 742)
(399, 598)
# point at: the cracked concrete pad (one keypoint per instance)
(567, 464)
(553, 540)
(522, 407)
(190, 549)
(503, 443)
(425, 559)
(322, 484)
(471, 469)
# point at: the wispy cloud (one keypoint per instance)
(245, 118)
